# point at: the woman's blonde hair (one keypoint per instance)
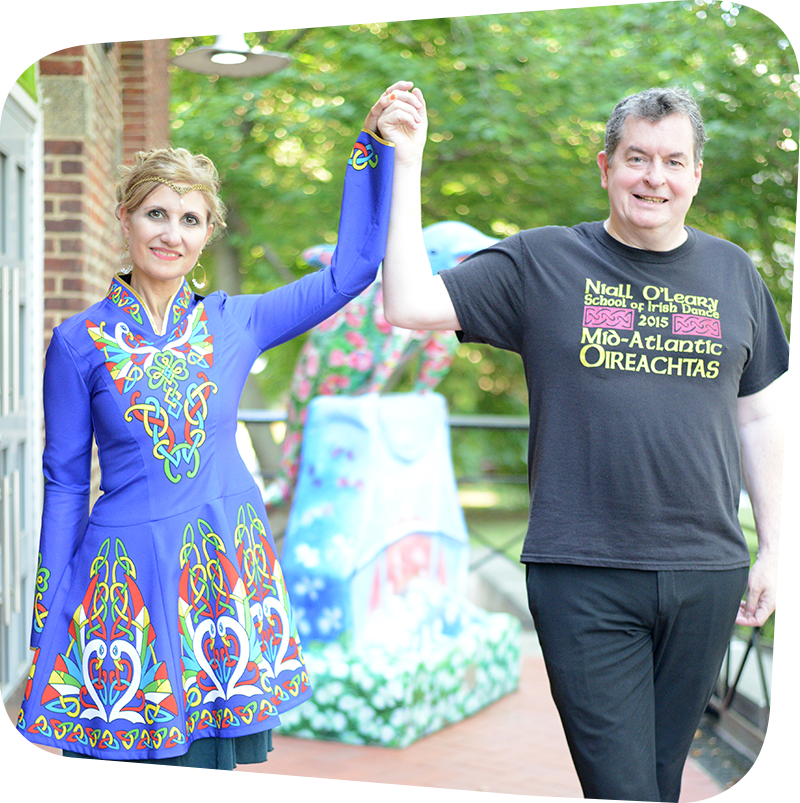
(171, 166)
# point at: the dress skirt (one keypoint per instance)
(213, 753)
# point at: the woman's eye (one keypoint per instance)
(154, 213)
(191, 220)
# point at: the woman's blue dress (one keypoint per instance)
(162, 617)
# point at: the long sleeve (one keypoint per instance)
(67, 472)
(289, 311)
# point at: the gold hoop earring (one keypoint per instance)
(196, 281)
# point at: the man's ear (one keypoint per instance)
(603, 164)
(698, 175)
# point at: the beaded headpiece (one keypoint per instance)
(177, 188)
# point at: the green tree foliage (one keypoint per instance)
(517, 104)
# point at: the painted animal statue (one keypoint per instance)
(356, 351)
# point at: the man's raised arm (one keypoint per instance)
(413, 297)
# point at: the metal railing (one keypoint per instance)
(786, 716)
(473, 421)
(455, 421)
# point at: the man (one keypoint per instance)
(652, 353)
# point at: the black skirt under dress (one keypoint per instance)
(213, 753)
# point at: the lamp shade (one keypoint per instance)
(230, 56)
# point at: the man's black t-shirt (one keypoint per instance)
(634, 361)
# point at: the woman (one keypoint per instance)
(162, 628)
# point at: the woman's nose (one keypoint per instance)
(171, 233)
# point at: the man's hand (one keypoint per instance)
(761, 436)
(759, 603)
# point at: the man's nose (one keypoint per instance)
(655, 173)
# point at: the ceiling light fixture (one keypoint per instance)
(230, 56)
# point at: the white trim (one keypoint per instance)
(27, 512)
(19, 95)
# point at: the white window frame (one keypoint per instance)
(21, 287)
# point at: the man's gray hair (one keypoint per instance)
(653, 105)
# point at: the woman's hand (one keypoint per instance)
(399, 116)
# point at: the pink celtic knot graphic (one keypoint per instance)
(607, 318)
(696, 325)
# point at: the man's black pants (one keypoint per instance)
(632, 657)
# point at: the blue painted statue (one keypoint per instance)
(376, 549)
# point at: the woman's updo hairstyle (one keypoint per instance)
(171, 166)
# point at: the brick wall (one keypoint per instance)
(145, 95)
(101, 104)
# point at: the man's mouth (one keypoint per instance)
(650, 199)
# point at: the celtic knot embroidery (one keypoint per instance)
(273, 625)
(110, 671)
(218, 658)
(126, 301)
(174, 406)
(181, 302)
(157, 424)
(42, 586)
(362, 156)
(168, 371)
